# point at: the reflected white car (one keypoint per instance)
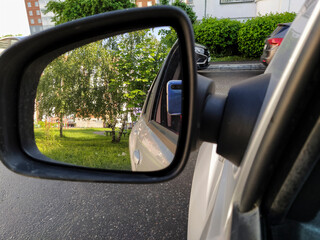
(153, 139)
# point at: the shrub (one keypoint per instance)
(187, 9)
(219, 35)
(253, 32)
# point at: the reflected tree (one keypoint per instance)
(108, 79)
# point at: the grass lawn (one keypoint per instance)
(83, 147)
(232, 59)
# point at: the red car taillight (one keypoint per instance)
(275, 41)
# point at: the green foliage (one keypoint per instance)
(233, 58)
(168, 37)
(219, 35)
(253, 33)
(106, 79)
(69, 10)
(187, 9)
(84, 147)
(140, 55)
(10, 35)
(48, 137)
(164, 2)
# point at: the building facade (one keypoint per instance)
(149, 3)
(146, 3)
(243, 9)
(38, 21)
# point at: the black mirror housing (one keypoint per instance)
(21, 67)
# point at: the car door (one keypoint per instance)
(268, 196)
(154, 137)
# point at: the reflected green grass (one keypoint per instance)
(84, 147)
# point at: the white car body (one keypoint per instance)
(217, 184)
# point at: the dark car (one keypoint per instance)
(273, 42)
(202, 56)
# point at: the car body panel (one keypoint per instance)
(149, 140)
(202, 59)
(215, 222)
(144, 144)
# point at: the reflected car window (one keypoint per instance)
(161, 116)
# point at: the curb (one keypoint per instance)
(236, 66)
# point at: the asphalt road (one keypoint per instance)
(225, 79)
(46, 209)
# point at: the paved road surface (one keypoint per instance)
(225, 79)
(45, 209)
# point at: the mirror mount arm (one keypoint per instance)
(229, 121)
(211, 120)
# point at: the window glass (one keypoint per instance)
(31, 21)
(30, 13)
(149, 3)
(39, 20)
(139, 4)
(38, 12)
(150, 93)
(29, 4)
(36, 4)
(161, 116)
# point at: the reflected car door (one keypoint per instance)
(153, 139)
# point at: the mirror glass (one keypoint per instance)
(113, 104)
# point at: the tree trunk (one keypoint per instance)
(113, 133)
(124, 121)
(61, 124)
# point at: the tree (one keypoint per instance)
(169, 36)
(187, 9)
(106, 79)
(135, 60)
(54, 92)
(69, 10)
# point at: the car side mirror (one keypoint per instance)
(24, 64)
(190, 109)
(174, 97)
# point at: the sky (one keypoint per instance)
(13, 18)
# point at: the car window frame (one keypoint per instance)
(167, 136)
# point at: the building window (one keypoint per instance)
(30, 13)
(39, 20)
(149, 3)
(139, 4)
(36, 4)
(29, 4)
(31, 21)
(38, 12)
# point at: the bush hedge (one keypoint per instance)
(219, 35)
(253, 32)
(225, 37)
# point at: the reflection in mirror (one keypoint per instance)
(89, 100)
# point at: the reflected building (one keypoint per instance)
(38, 21)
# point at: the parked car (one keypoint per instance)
(273, 42)
(155, 123)
(202, 56)
(258, 168)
